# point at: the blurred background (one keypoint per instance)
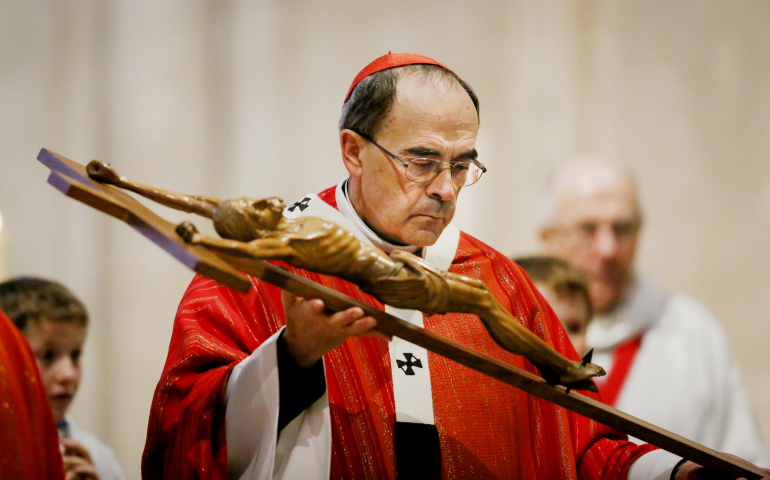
(232, 99)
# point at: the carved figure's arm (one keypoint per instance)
(270, 248)
(199, 204)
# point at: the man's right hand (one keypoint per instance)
(311, 330)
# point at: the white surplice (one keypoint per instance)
(684, 377)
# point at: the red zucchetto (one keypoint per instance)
(389, 61)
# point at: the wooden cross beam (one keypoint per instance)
(71, 178)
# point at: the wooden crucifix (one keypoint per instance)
(226, 266)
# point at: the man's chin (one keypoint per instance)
(423, 237)
(416, 240)
(426, 232)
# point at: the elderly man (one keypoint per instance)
(667, 358)
(244, 397)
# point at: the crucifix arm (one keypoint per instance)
(199, 204)
(263, 248)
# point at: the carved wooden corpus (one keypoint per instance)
(226, 264)
(256, 229)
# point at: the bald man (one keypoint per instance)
(667, 358)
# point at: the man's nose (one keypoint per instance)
(442, 187)
(606, 242)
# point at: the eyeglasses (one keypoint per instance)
(420, 170)
(623, 231)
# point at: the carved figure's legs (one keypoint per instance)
(555, 368)
(262, 249)
(432, 291)
(199, 204)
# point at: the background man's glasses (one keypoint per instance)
(421, 170)
(624, 231)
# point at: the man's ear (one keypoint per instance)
(352, 145)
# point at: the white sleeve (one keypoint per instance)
(655, 465)
(739, 433)
(254, 451)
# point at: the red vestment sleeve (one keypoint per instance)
(215, 328)
(28, 437)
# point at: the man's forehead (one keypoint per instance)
(594, 190)
(597, 207)
(415, 83)
(423, 98)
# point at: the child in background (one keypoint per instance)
(55, 324)
(566, 290)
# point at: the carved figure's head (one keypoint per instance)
(244, 219)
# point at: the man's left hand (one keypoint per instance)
(692, 471)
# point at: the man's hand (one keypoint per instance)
(311, 330)
(692, 471)
(77, 461)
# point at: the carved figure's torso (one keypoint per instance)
(324, 246)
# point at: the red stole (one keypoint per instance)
(487, 429)
(622, 360)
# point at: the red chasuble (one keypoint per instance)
(487, 429)
(29, 443)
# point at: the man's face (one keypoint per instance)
(57, 346)
(597, 226)
(425, 121)
(572, 311)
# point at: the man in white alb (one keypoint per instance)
(667, 358)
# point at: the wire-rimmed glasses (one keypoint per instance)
(420, 170)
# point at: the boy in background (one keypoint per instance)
(566, 289)
(55, 323)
